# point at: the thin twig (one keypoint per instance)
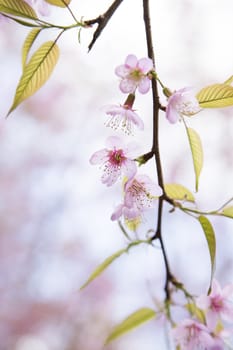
(102, 21)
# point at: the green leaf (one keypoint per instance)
(17, 8)
(228, 211)
(216, 96)
(195, 311)
(36, 72)
(24, 23)
(197, 153)
(103, 266)
(59, 3)
(211, 241)
(28, 44)
(229, 80)
(179, 192)
(112, 258)
(134, 320)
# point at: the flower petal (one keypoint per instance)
(129, 168)
(114, 110)
(128, 86)
(227, 290)
(122, 71)
(134, 117)
(99, 157)
(117, 213)
(131, 61)
(131, 150)
(144, 85)
(171, 114)
(114, 142)
(145, 64)
(131, 213)
(110, 175)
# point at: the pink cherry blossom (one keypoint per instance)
(124, 118)
(192, 335)
(140, 193)
(217, 304)
(134, 74)
(182, 102)
(116, 159)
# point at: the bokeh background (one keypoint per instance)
(55, 214)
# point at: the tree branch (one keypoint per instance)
(102, 21)
(155, 145)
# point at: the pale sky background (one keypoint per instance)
(63, 123)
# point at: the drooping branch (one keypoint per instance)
(155, 145)
(102, 21)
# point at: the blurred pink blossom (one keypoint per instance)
(217, 304)
(140, 194)
(117, 159)
(192, 335)
(182, 102)
(134, 74)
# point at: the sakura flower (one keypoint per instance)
(124, 118)
(182, 102)
(134, 74)
(140, 194)
(217, 304)
(116, 159)
(192, 335)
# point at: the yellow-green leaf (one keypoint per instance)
(112, 258)
(228, 211)
(36, 72)
(103, 266)
(59, 3)
(211, 241)
(197, 153)
(28, 44)
(133, 224)
(134, 320)
(195, 311)
(17, 8)
(229, 80)
(216, 96)
(179, 192)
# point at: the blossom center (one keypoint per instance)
(188, 108)
(116, 157)
(140, 195)
(136, 74)
(217, 303)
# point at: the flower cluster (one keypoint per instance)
(207, 331)
(134, 75)
(117, 159)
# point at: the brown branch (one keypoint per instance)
(155, 146)
(102, 21)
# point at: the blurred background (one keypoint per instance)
(55, 223)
